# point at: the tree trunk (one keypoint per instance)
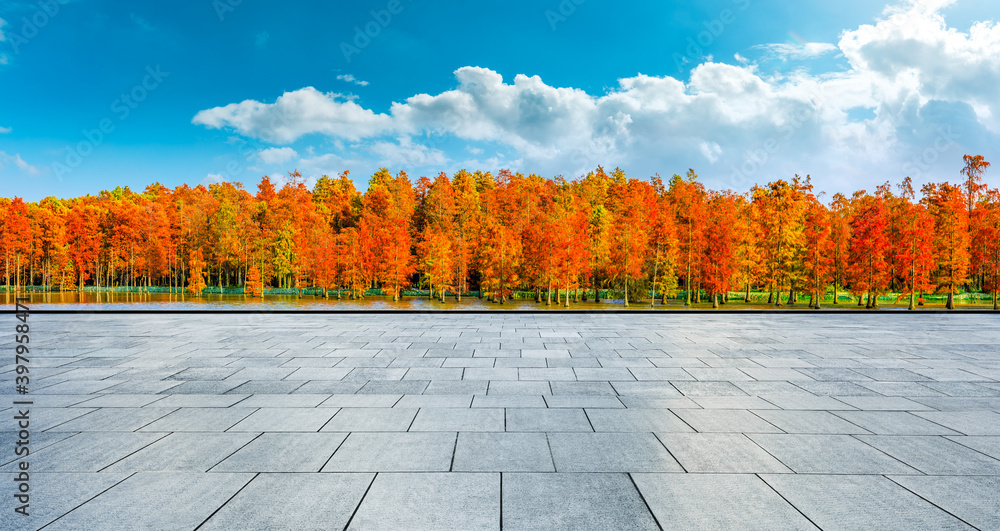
(715, 300)
(626, 293)
(951, 299)
(567, 298)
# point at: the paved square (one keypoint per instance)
(511, 421)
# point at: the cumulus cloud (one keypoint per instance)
(16, 160)
(351, 79)
(213, 178)
(912, 75)
(277, 155)
(295, 114)
(4, 130)
(406, 154)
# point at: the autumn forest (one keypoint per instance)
(514, 235)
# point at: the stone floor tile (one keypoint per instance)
(467, 501)
(308, 501)
(722, 501)
(859, 502)
(502, 452)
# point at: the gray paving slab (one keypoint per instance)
(508, 401)
(720, 453)
(431, 501)
(53, 495)
(309, 501)
(370, 419)
(156, 500)
(573, 501)
(989, 445)
(283, 452)
(547, 420)
(894, 423)
(748, 502)
(394, 452)
(276, 419)
(610, 452)
(966, 422)
(199, 419)
(87, 452)
(859, 502)
(502, 452)
(974, 500)
(459, 419)
(636, 420)
(114, 419)
(182, 452)
(829, 454)
(934, 455)
(796, 421)
(725, 421)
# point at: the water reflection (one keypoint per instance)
(216, 301)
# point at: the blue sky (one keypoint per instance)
(854, 92)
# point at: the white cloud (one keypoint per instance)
(407, 154)
(213, 178)
(277, 155)
(909, 78)
(4, 130)
(711, 151)
(4, 59)
(788, 50)
(295, 114)
(2, 24)
(16, 160)
(351, 79)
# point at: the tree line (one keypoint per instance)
(507, 233)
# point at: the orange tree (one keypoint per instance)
(720, 251)
(947, 205)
